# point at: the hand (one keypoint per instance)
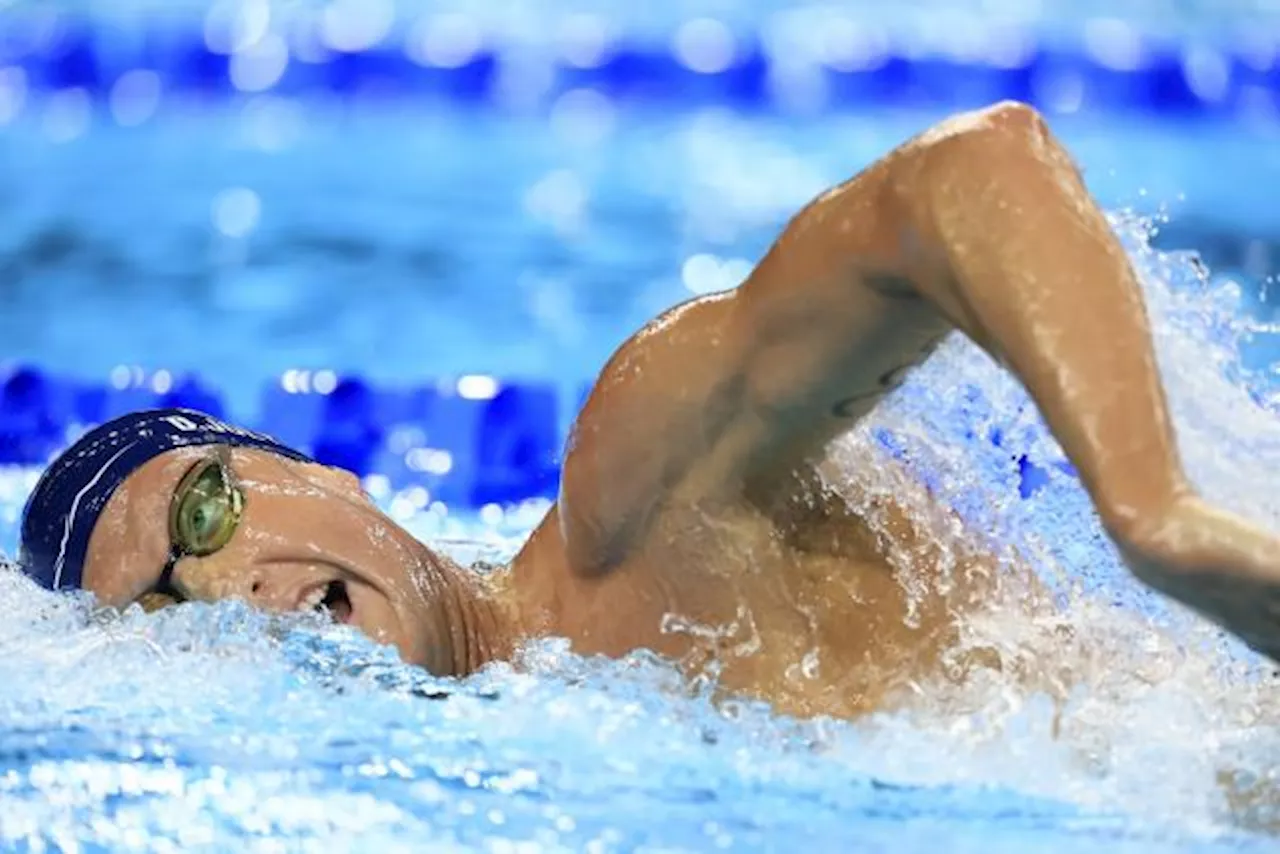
(1215, 563)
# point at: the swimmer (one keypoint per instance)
(692, 482)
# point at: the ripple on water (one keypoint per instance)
(214, 724)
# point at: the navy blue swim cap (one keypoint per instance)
(69, 497)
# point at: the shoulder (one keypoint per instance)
(647, 429)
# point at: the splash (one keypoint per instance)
(1108, 714)
(1112, 696)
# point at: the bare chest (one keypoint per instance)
(803, 609)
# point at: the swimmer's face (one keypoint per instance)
(279, 534)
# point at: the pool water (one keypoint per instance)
(400, 247)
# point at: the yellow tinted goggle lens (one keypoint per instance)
(206, 510)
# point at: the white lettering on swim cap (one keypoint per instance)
(180, 423)
(213, 425)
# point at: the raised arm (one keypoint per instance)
(983, 224)
(986, 222)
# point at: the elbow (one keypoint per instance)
(1004, 127)
(982, 173)
(1019, 133)
(1015, 117)
(982, 148)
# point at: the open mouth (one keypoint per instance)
(332, 599)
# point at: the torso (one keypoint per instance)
(794, 597)
(697, 521)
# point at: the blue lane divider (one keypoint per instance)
(348, 434)
(290, 414)
(95, 403)
(517, 448)
(31, 425)
(468, 442)
(1067, 75)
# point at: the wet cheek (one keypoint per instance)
(402, 621)
(394, 561)
(149, 545)
(229, 573)
(384, 635)
(122, 560)
(203, 580)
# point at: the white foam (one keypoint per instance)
(1154, 707)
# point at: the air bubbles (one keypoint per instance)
(704, 45)
(236, 211)
(135, 97)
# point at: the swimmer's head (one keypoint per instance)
(161, 506)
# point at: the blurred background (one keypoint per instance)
(406, 235)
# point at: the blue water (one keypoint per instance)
(242, 241)
(401, 247)
(247, 732)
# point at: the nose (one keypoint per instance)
(210, 579)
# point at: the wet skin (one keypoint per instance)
(695, 480)
(304, 527)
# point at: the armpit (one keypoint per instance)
(855, 405)
(892, 286)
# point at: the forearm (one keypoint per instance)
(984, 224)
(1034, 274)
